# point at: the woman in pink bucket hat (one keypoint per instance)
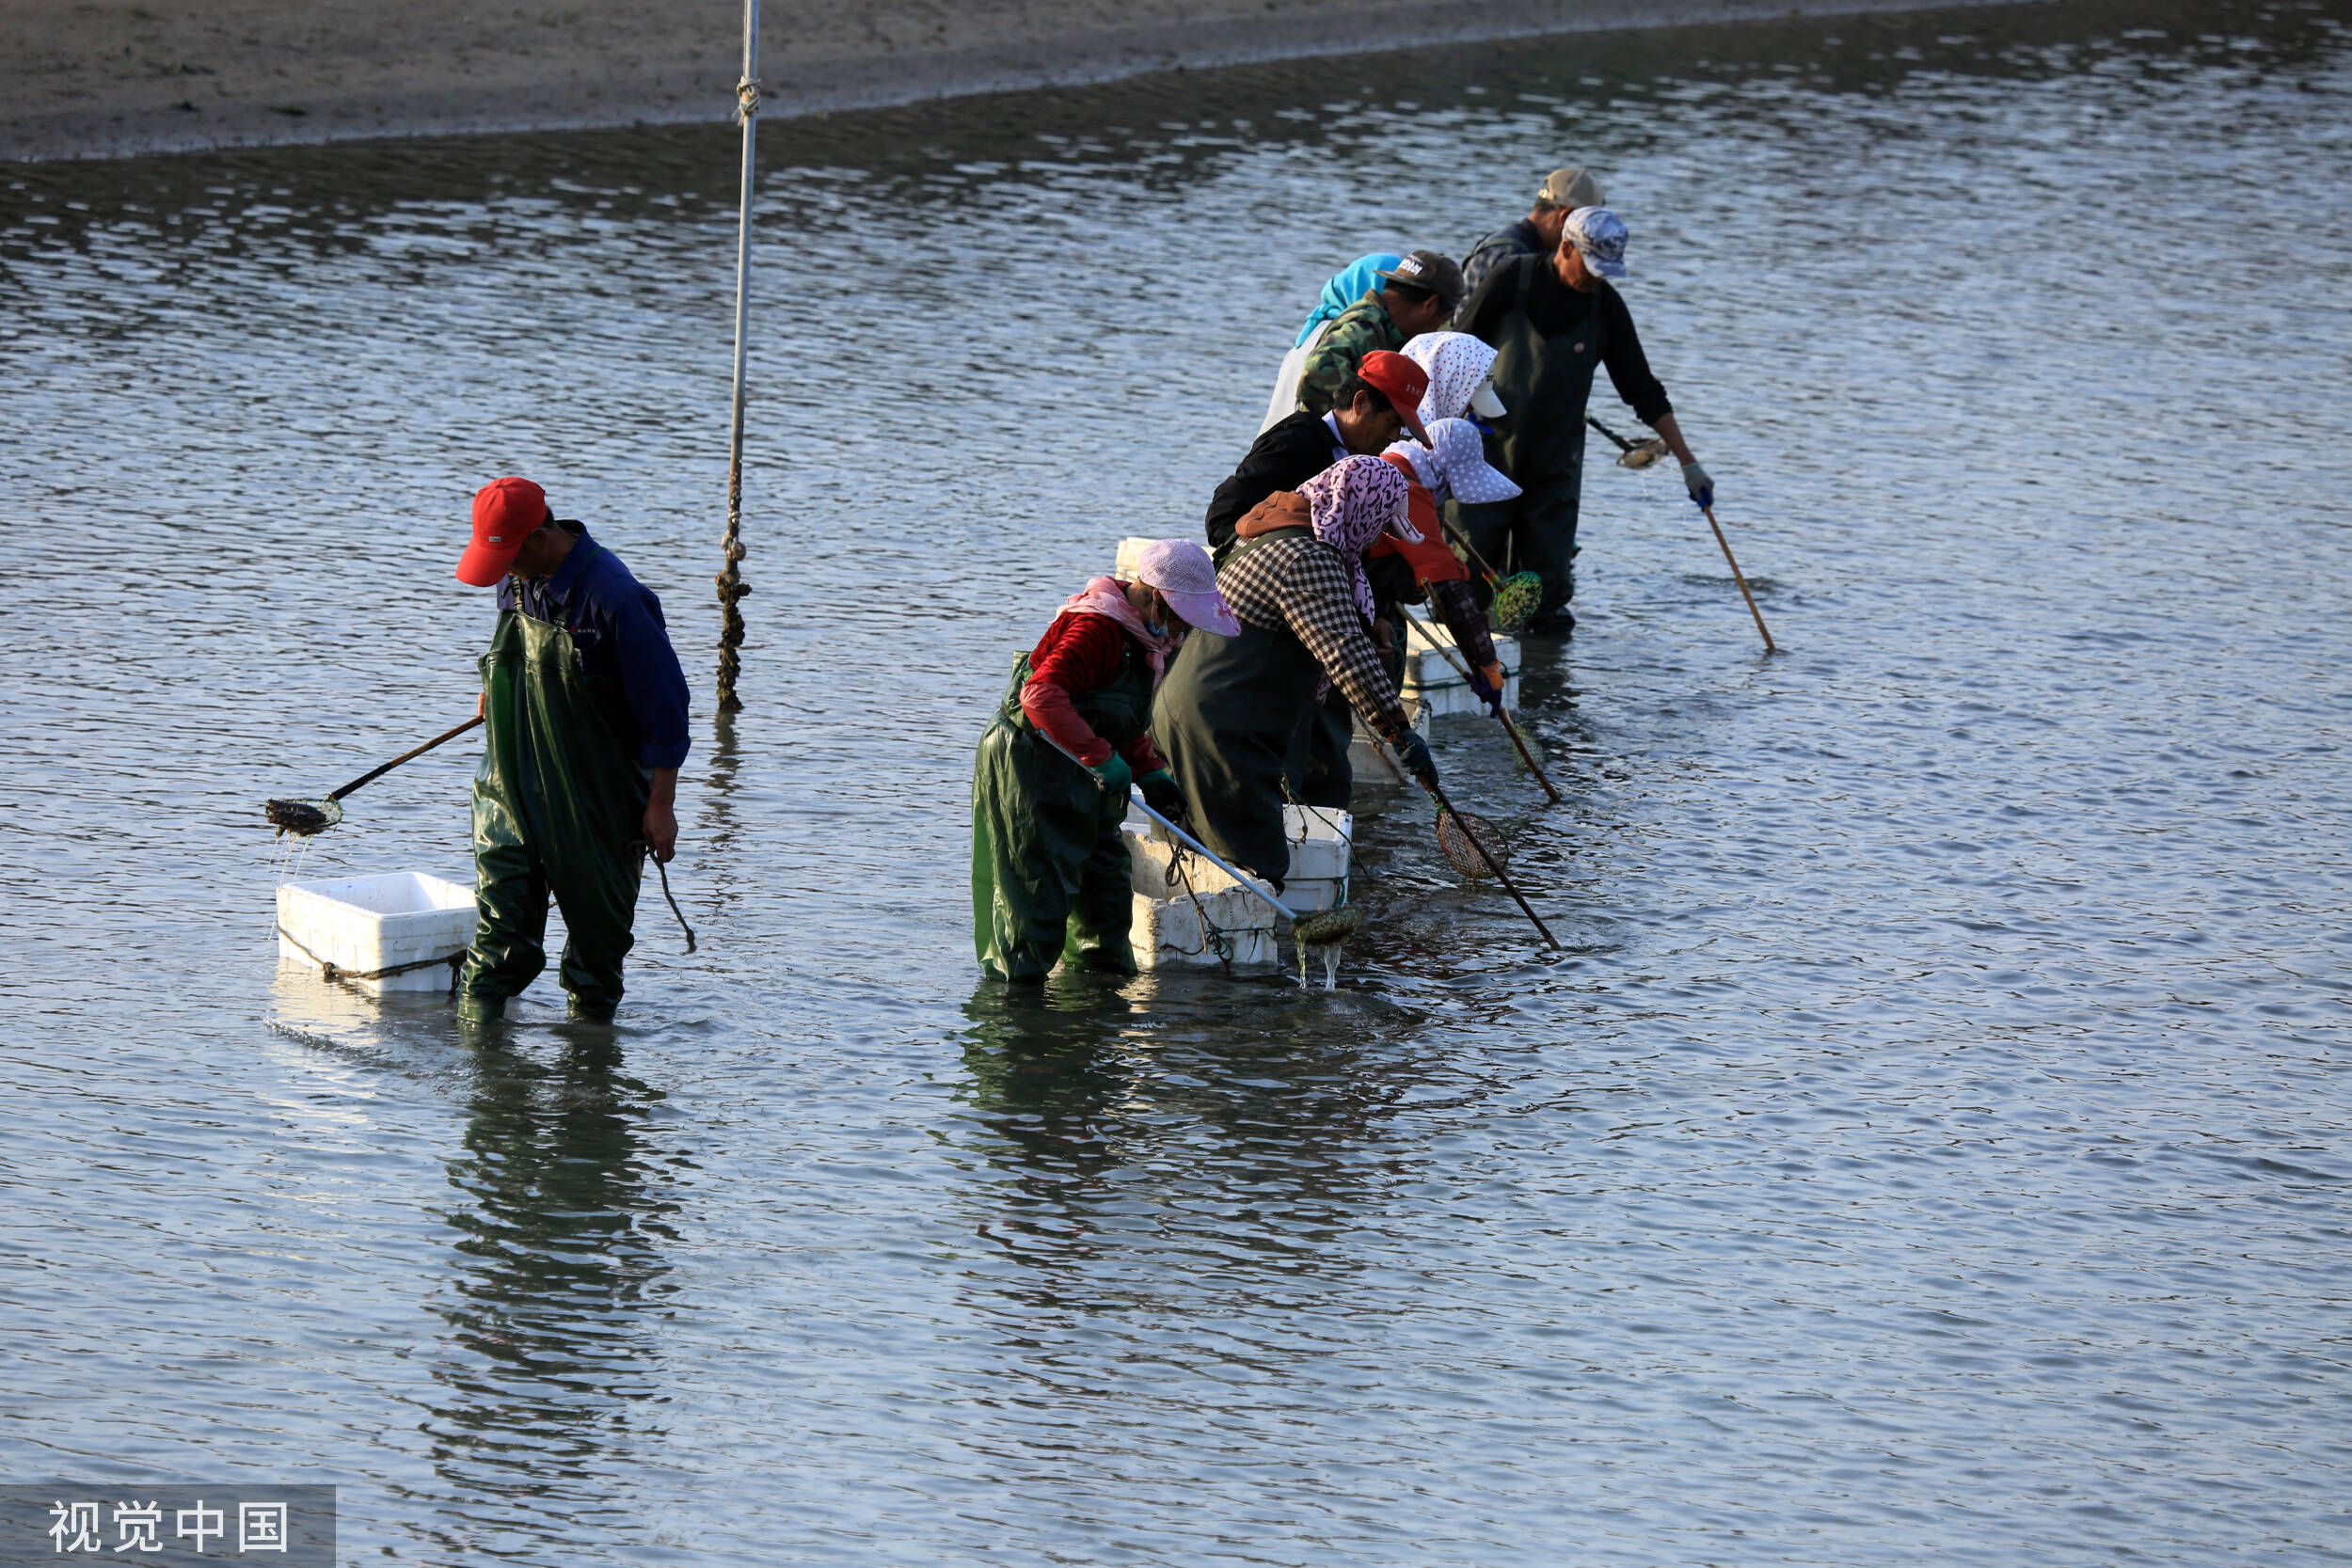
(1050, 879)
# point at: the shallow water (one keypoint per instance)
(1930, 1146)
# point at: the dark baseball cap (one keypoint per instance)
(1426, 269)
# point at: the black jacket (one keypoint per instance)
(1292, 451)
(1507, 244)
(1552, 307)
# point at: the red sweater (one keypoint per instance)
(1078, 654)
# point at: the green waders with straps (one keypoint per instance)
(559, 807)
(1545, 382)
(1235, 718)
(1050, 877)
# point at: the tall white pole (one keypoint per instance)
(731, 584)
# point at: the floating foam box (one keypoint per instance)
(362, 925)
(1166, 928)
(1130, 557)
(1434, 688)
(1364, 753)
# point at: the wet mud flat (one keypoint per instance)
(1930, 1147)
(109, 78)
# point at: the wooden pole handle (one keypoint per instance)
(1479, 561)
(1461, 825)
(1463, 670)
(1741, 578)
(406, 756)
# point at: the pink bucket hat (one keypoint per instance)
(1186, 576)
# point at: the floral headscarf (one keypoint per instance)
(1347, 287)
(1456, 363)
(1454, 466)
(1350, 504)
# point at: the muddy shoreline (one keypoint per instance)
(111, 78)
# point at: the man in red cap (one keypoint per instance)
(1381, 400)
(587, 713)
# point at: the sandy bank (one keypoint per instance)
(109, 77)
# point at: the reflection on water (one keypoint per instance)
(1108, 1112)
(548, 1361)
(1929, 1145)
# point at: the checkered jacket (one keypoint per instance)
(1300, 583)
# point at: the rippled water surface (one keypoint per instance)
(1930, 1146)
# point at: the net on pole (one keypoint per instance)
(1461, 853)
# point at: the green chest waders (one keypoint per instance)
(559, 807)
(1236, 720)
(1546, 382)
(1050, 877)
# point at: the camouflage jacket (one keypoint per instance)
(1359, 329)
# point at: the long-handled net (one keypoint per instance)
(1517, 599)
(1631, 454)
(303, 817)
(1324, 935)
(1461, 853)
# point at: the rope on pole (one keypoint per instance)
(732, 588)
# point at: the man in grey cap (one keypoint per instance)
(1538, 233)
(1553, 321)
(1418, 294)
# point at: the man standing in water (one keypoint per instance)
(1373, 406)
(1552, 322)
(1418, 294)
(1538, 233)
(586, 728)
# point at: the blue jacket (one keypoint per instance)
(616, 624)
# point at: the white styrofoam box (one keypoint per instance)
(361, 924)
(1148, 859)
(1306, 894)
(1320, 839)
(1434, 686)
(1130, 558)
(1166, 928)
(1167, 931)
(1365, 762)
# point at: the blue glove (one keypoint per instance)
(1413, 751)
(1701, 487)
(1116, 775)
(1488, 691)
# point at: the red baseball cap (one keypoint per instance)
(506, 511)
(1403, 382)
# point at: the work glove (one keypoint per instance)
(1116, 775)
(1701, 487)
(1161, 794)
(1487, 682)
(1413, 751)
